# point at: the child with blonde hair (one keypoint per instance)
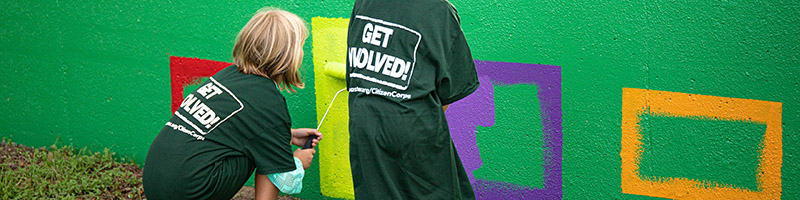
(238, 122)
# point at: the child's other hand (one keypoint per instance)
(300, 135)
(305, 156)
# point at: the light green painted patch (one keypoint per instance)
(720, 151)
(330, 37)
(512, 149)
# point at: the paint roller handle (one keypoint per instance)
(309, 141)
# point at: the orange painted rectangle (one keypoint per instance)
(636, 102)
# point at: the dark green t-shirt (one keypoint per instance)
(405, 59)
(232, 115)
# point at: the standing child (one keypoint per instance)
(407, 60)
(237, 121)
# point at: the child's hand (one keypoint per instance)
(305, 156)
(299, 136)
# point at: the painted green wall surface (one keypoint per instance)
(727, 151)
(510, 135)
(98, 74)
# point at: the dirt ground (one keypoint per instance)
(15, 158)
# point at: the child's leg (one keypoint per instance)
(265, 189)
(230, 175)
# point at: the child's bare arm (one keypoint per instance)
(300, 135)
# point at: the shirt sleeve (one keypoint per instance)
(458, 78)
(271, 150)
(289, 182)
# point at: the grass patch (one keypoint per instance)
(66, 173)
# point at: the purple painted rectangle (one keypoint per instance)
(478, 109)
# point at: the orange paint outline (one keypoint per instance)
(636, 102)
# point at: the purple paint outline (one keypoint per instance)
(464, 116)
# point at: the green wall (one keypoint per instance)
(97, 74)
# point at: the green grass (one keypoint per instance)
(66, 173)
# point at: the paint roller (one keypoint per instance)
(335, 70)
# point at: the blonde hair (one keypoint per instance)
(271, 45)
